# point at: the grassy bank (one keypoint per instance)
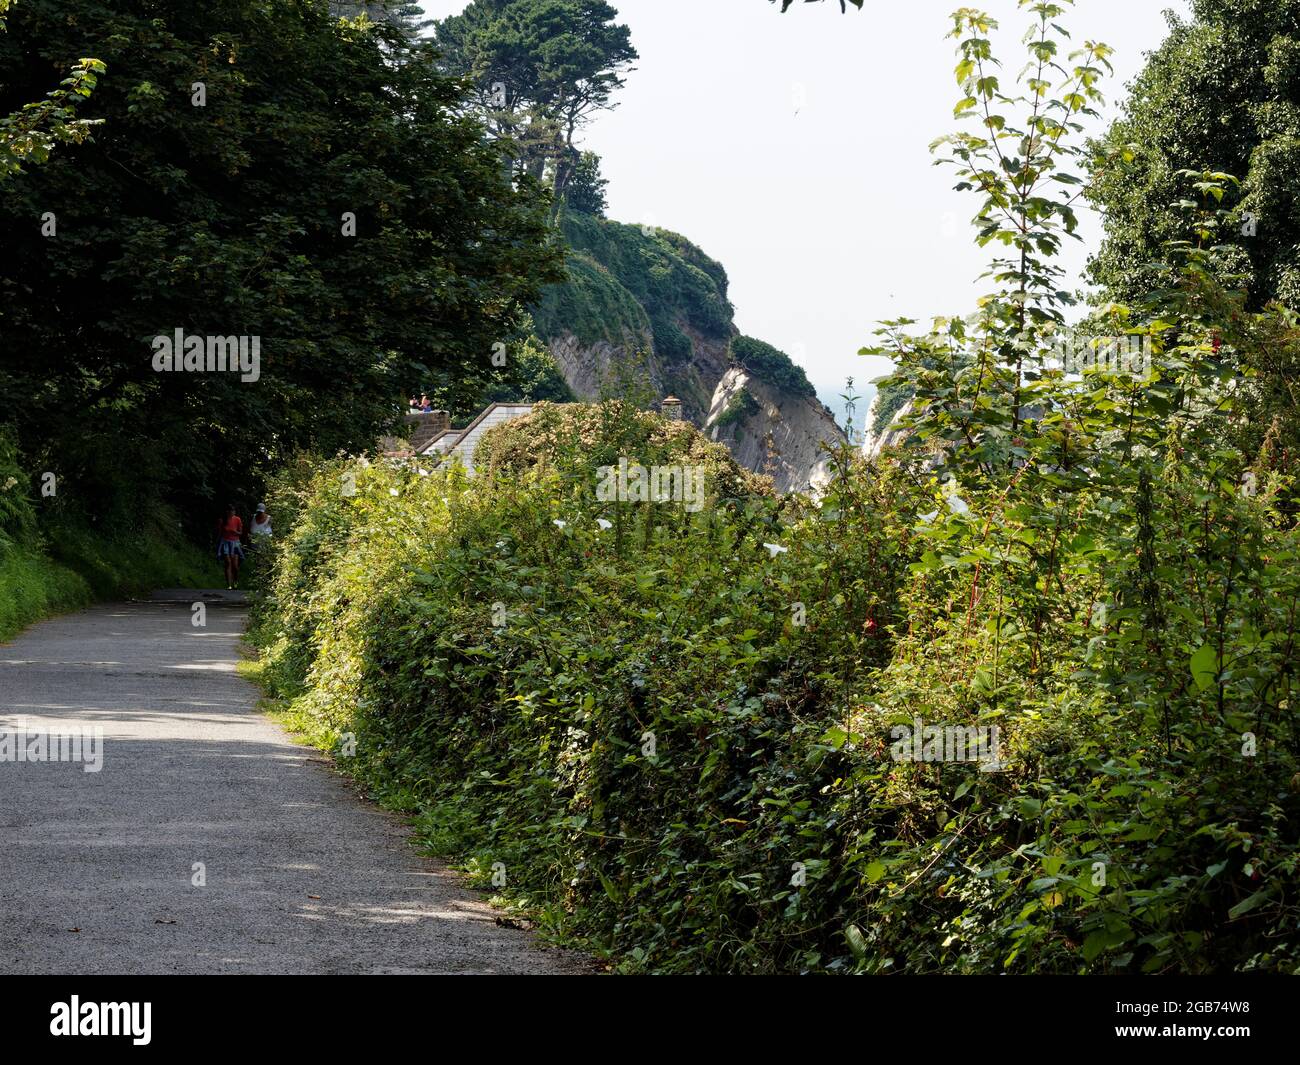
(32, 586)
(75, 567)
(53, 566)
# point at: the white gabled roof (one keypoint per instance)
(442, 443)
(462, 443)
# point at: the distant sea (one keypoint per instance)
(833, 398)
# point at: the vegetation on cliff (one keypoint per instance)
(644, 277)
(770, 364)
(631, 284)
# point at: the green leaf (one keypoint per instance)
(1248, 904)
(857, 942)
(1103, 940)
(1205, 666)
(609, 887)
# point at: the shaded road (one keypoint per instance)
(97, 869)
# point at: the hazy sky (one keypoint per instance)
(794, 149)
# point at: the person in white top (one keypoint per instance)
(261, 522)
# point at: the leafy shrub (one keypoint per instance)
(525, 742)
(1126, 831)
(572, 441)
(1105, 575)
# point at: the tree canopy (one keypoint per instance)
(540, 70)
(1218, 96)
(30, 133)
(1214, 114)
(263, 169)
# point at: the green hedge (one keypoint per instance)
(524, 743)
(632, 724)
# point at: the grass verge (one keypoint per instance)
(78, 566)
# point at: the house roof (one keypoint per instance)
(466, 442)
(441, 442)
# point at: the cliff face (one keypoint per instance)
(648, 308)
(592, 369)
(878, 436)
(773, 431)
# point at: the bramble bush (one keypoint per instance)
(1109, 575)
(525, 742)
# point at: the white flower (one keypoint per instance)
(501, 543)
(776, 549)
(927, 518)
(423, 473)
(392, 491)
(558, 524)
(955, 502)
(10, 482)
(604, 524)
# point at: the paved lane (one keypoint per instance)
(98, 869)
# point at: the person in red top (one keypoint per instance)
(229, 549)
